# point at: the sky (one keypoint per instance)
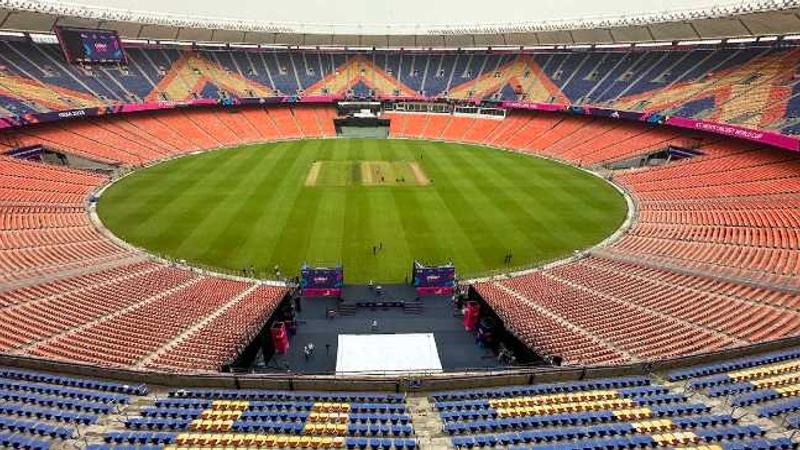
(402, 12)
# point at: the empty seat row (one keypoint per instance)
(223, 394)
(543, 389)
(83, 383)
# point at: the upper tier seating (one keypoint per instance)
(147, 137)
(752, 85)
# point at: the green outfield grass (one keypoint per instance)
(262, 205)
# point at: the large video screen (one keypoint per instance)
(434, 280)
(434, 275)
(82, 45)
(321, 281)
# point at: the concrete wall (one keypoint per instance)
(395, 384)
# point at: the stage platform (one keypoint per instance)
(378, 354)
(456, 348)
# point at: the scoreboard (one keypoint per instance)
(433, 280)
(321, 281)
(83, 45)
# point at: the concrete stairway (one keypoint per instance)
(414, 307)
(347, 309)
(721, 405)
(427, 424)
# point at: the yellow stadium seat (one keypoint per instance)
(686, 437)
(211, 440)
(243, 439)
(199, 439)
(226, 439)
(225, 406)
(666, 439)
(184, 439)
(180, 439)
(259, 440)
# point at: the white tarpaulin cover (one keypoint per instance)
(380, 353)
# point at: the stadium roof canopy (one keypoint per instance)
(737, 22)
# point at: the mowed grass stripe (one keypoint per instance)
(225, 185)
(454, 243)
(507, 214)
(580, 224)
(229, 232)
(422, 217)
(275, 197)
(147, 193)
(454, 188)
(173, 202)
(586, 215)
(250, 207)
(292, 206)
(380, 227)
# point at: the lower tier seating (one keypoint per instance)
(40, 410)
(612, 413)
(70, 293)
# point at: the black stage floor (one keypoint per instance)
(457, 348)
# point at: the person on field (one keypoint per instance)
(308, 350)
